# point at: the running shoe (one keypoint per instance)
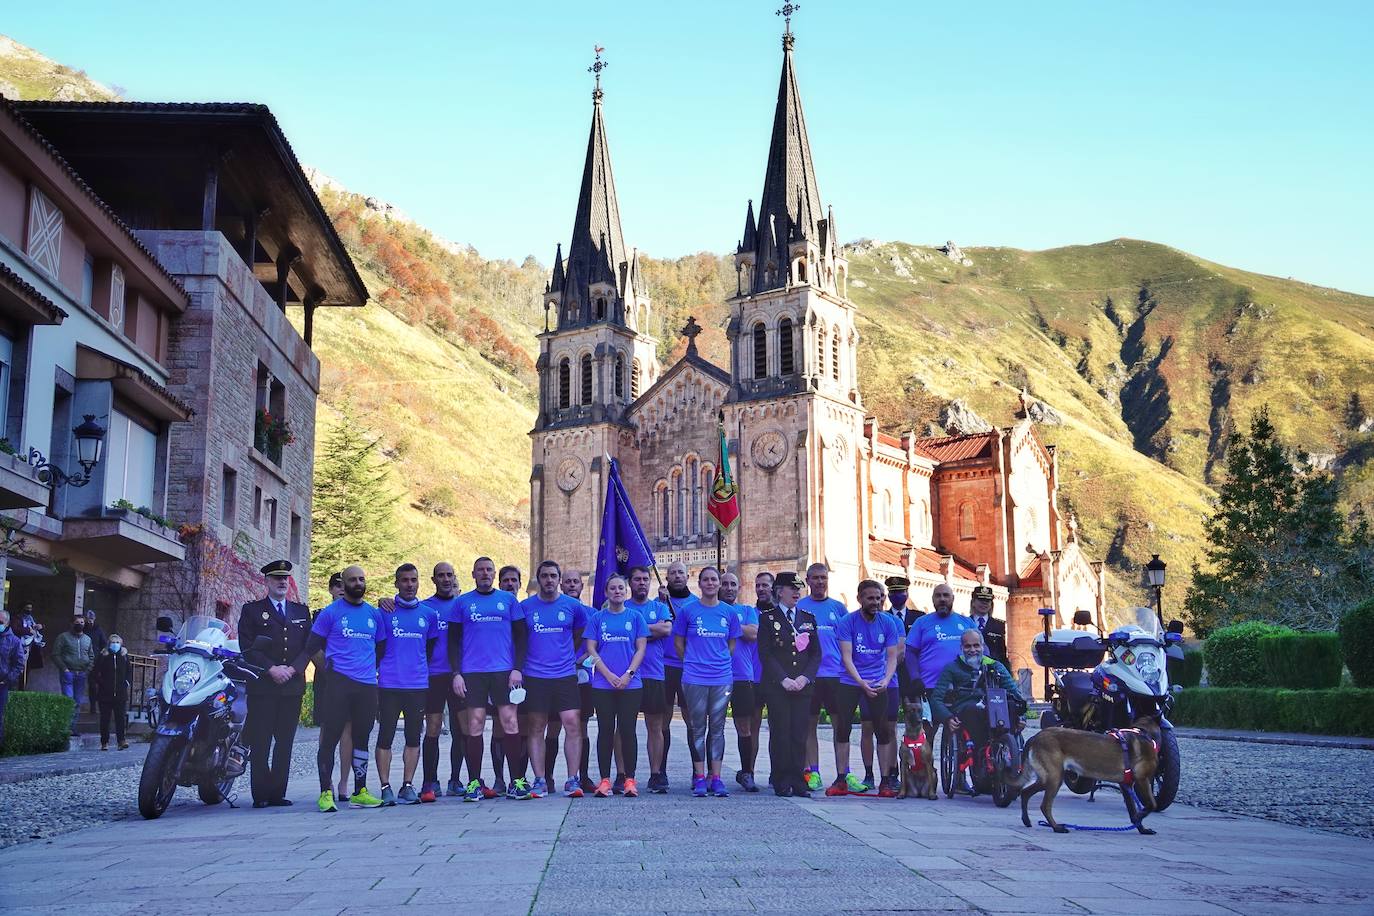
(855, 785)
(813, 780)
(718, 788)
(699, 786)
(519, 789)
(838, 787)
(429, 792)
(631, 790)
(603, 789)
(407, 795)
(869, 784)
(491, 792)
(388, 797)
(455, 789)
(657, 784)
(475, 791)
(748, 783)
(888, 789)
(739, 777)
(587, 784)
(326, 802)
(498, 787)
(572, 788)
(539, 788)
(364, 799)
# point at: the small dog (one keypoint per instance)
(915, 759)
(1128, 758)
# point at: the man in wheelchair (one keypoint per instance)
(960, 697)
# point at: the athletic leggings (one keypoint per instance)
(617, 711)
(706, 719)
(349, 702)
(391, 703)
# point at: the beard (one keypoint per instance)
(355, 592)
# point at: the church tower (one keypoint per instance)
(595, 358)
(794, 401)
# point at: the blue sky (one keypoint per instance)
(1242, 132)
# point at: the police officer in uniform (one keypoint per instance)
(790, 650)
(274, 699)
(994, 631)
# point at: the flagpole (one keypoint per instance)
(645, 545)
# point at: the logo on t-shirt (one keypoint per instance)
(371, 624)
(562, 616)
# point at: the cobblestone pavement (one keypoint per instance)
(748, 853)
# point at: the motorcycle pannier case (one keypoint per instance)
(1068, 649)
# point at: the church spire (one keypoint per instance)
(791, 201)
(597, 250)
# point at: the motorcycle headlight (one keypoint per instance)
(187, 676)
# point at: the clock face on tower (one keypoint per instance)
(769, 449)
(570, 474)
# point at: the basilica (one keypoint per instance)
(818, 480)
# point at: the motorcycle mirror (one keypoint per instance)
(1046, 612)
(1082, 618)
(164, 624)
(1175, 626)
(1175, 652)
(1176, 688)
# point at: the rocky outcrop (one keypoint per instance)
(958, 419)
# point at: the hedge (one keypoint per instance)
(1343, 711)
(1233, 655)
(1187, 671)
(1303, 661)
(1357, 638)
(36, 723)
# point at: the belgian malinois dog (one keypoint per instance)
(915, 759)
(1127, 757)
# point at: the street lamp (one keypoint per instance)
(1154, 573)
(90, 445)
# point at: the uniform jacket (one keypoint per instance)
(71, 652)
(778, 649)
(111, 676)
(961, 684)
(288, 638)
(995, 640)
(11, 659)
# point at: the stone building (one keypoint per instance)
(216, 210)
(819, 481)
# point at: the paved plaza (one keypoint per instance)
(675, 853)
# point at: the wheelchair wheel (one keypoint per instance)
(1006, 776)
(949, 760)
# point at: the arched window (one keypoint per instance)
(835, 355)
(925, 519)
(760, 351)
(619, 376)
(601, 309)
(665, 514)
(586, 379)
(966, 529)
(634, 380)
(801, 270)
(694, 481)
(888, 518)
(564, 383)
(681, 506)
(787, 363)
(820, 351)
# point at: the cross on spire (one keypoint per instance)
(788, 10)
(597, 66)
(690, 331)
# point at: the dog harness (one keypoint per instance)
(915, 743)
(1123, 737)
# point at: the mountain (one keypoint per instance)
(1138, 361)
(27, 74)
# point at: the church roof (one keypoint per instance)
(889, 552)
(942, 449)
(693, 360)
(597, 249)
(790, 208)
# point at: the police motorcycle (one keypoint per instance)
(200, 712)
(1098, 683)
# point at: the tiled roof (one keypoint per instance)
(1034, 576)
(27, 289)
(13, 110)
(889, 552)
(885, 439)
(943, 449)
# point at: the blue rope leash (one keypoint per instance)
(1094, 829)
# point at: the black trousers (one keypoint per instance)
(271, 730)
(118, 710)
(350, 703)
(788, 716)
(617, 711)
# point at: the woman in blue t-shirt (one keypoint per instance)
(616, 637)
(704, 633)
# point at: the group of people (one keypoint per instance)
(541, 667)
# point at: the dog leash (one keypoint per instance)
(1093, 829)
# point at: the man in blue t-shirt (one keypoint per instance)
(933, 640)
(351, 633)
(828, 613)
(403, 681)
(744, 669)
(654, 704)
(677, 596)
(487, 651)
(705, 632)
(554, 623)
(870, 650)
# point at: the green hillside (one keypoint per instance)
(1143, 360)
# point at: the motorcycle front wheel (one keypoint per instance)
(158, 783)
(1165, 783)
(211, 792)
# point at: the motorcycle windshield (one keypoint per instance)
(1148, 622)
(195, 628)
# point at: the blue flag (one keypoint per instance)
(623, 543)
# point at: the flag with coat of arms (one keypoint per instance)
(622, 541)
(723, 503)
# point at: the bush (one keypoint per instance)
(1186, 671)
(1357, 641)
(1303, 661)
(36, 723)
(308, 706)
(1344, 711)
(1233, 655)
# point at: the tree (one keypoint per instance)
(354, 514)
(1277, 547)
